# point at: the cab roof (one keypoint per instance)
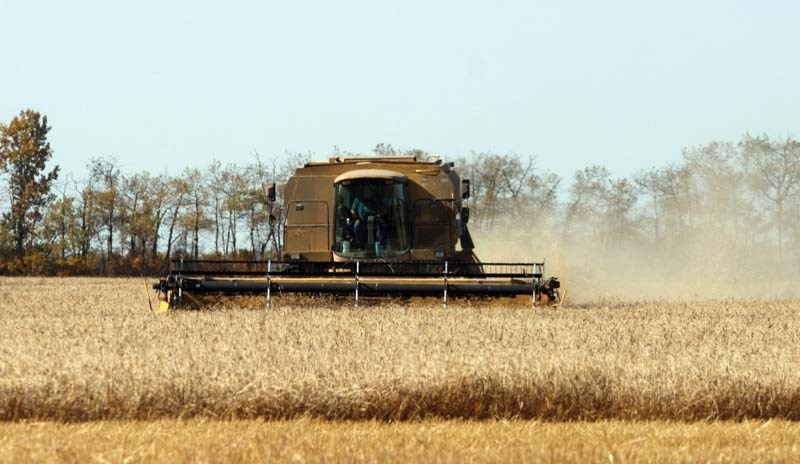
(432, 159)
(371, 174)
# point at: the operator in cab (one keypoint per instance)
(367, 207)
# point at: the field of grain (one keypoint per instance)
(90, 349)
(306, 440)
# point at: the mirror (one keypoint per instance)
(270, 188)
(465, 188)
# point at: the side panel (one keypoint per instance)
(433, 201)
(431, 224)
(307, 226)
(308, 217)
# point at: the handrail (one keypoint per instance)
(365, 268)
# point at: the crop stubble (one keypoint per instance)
(89, 349)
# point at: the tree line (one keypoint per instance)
(744, 194)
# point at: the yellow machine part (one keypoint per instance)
(163, 302)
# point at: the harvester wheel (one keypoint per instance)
(544, 299)
(548, 299)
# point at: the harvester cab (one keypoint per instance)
(371, 216)
(381, 227)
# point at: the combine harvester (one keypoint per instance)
(366, 227)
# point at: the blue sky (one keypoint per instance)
(166, 85)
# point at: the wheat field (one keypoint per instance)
(311, 440)
(90, 349)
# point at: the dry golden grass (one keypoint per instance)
(89, 349)
(430, 441)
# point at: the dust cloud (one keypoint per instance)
(701, 267)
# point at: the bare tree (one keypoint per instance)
(159, 199)
(542, 193)
(61, 222)
(215, 177)
(619, 201)
(197, 196)
(233, 188)
(589, 187)
(105, 175)
(773, 169)
(178, 193)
